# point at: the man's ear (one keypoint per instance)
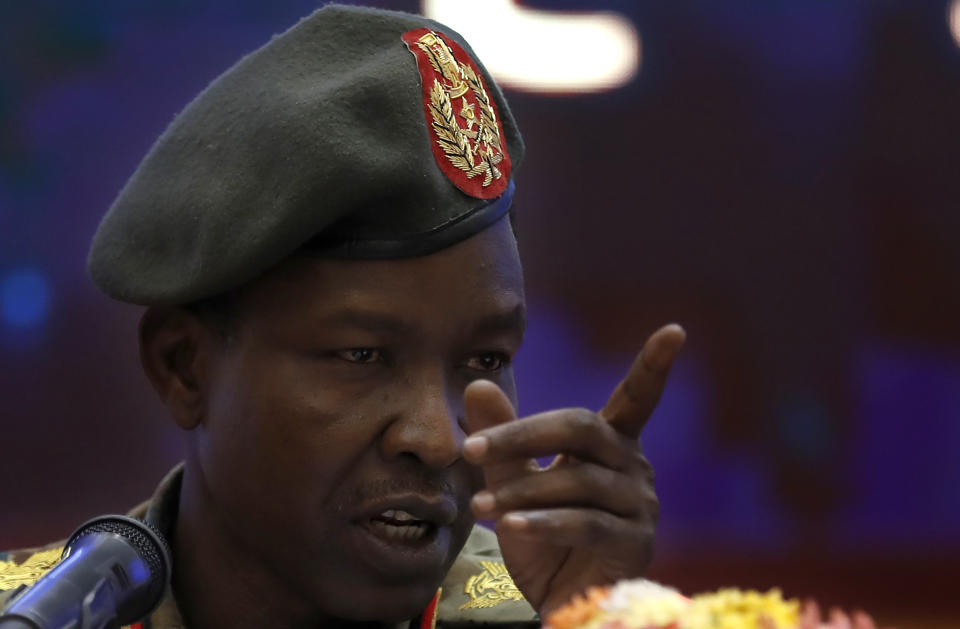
(175, 351)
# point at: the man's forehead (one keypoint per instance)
(401, 315)
(507, 314)
(482, 275)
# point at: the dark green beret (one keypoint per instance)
(357, 133)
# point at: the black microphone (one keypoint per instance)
(113, 572)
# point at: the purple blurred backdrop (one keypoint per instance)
(781, 177)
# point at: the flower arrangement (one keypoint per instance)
(641, 604)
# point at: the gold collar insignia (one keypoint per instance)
(491, 587)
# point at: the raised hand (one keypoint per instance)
(589, 517)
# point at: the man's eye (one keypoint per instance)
(488, 361)
(362, 355)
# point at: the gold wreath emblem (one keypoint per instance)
(475, 152)
(491, 587)
(13, 575)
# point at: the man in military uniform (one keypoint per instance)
(334, 296)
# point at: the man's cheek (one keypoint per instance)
(473, 483)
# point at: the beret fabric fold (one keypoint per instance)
(319, 137)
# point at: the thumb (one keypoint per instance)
(487, 406)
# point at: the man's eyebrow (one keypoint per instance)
(513, 320)
(376, 321)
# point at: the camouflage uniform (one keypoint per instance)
(477, 590)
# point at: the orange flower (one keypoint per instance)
(579, 610)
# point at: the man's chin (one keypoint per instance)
(373, 579)
(388, 604)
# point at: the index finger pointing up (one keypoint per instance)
(634, 399)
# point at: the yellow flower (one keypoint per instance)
(738, 609)
(643, 604)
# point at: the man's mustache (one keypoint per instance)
(424, 484)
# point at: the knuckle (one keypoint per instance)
(503, 499)
(583, 421)
(588, 429)
(644, 501)
(653, 508)
(516, 495)
(601, 486)
(589, 476)
(639, 462)
(636, 464)
(631, 392)
(640, 499)
(638, 538)
(524, 493)
(593, 529)
(515, 432)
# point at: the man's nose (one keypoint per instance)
(426, 425)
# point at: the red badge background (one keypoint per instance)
(472, 186)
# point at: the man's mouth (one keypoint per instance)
(396, 525)
(405, 536)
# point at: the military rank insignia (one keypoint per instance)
(13, 575)
(491, 587)
(467, 137)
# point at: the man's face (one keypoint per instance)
(330, 447)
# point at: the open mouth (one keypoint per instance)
(398, 526)
(405, 537)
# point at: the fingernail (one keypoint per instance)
(475, 447)
(515, 521)
(484, 501)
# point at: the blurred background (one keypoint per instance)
(779, 176)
